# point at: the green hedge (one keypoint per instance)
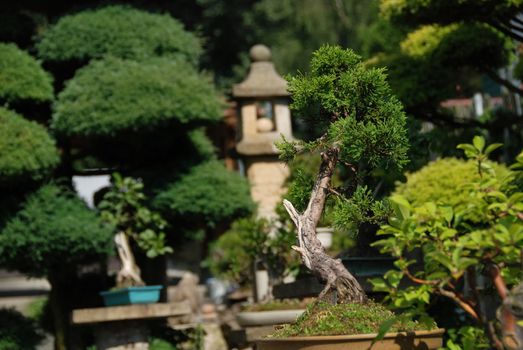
(21, 77)
(207, 194)
(27, 152)
(54, 230)
(113, 95)
(120, 31)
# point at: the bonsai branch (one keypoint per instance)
(313, 254)
(461, 302)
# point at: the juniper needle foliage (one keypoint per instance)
(354, 105)
(357, 114)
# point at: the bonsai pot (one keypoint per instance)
(265, 318)
(132, 295)
(324, 234)
(420, 340)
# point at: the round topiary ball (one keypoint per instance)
(120, 31)
(113, 96)
(22, 78)
(28, 152)
(443, 181)
(208, 194)
(53, 230)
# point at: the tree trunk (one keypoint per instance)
(129, 274)
(56, 301)
(313, 255)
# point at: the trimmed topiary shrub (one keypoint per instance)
(207, 194)
(120, 31)
(21, 77)
(111, 96)
(54, 230)
(17, 332)
(27, 150)
(442, 181)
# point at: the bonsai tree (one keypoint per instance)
(459, 248)
(153, 64)
(50, 236)
(249, 242)
(361, 122)
(123, 207)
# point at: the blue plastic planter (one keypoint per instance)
(132, 295)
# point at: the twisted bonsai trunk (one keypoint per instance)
(129, 274)
(313, 255)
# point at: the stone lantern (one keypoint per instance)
(263, 102)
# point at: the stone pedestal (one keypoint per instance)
(125, 327)
(266, 176)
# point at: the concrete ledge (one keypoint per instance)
(130, 312)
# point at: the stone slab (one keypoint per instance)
(130, 312)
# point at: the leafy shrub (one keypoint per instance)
(53, 230)
(120, 31)
(123, 206)
(17, 332)
(208, 194)
(233, 254)
(27, 150)
(444, 181)
(113, 95)
(457, 250)
(21, 77)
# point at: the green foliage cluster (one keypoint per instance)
(123, 207)
(53, 230)
(208, 194)
(322, 318)
(455, 44)
(437, 49)
(444, 181)
(17, 332)
(415, 12)
(22, 78)
(454, 248)
(112, 96)
(119, 31)
(27, 151)
(250, 241)
(364, 119)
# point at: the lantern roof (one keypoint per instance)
(262, 80)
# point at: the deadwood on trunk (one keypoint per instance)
(129, 274)
(313, 255)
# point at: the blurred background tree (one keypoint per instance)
(135, 102)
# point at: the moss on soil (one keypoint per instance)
(344, 319)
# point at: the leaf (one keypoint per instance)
(492, 147)
(384, 328)
(479, 142)
(470, 151)
(401, 206)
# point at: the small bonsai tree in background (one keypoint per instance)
(478, 234)
(51, 235)
(361, 123)
(252, 241)
(123, 207)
